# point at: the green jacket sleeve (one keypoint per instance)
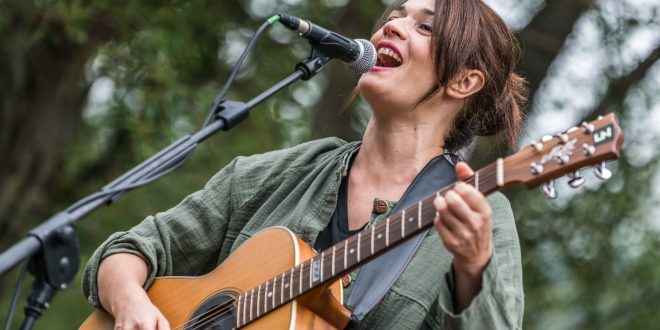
(185, 240)
(500, 303)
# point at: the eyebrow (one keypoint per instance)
(402, 9)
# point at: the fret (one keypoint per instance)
(266, 298)
(251, 301)
(387, 232)
(358, 246)
(258, 298)
(282, 289)
(403, 223)
(419, 215)
(373, 228)
(322, 265)
(244, 308)
(476, 180)
(334, 249)
(345, 254)
(300, 288)
(238, 312)
(291, 285)
(311, 272)
(272, 295)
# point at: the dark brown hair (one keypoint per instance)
(467, 34)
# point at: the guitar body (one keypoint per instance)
(269, 253)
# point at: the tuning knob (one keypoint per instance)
(602, 172)
(575, 179)
(549, 190)
(538, 146)
(588, 149)
(562, 159)
(588, 128)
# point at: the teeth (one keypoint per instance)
(389, 52)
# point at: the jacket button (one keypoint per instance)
(346, 280)
(380, 206)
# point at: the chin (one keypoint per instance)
(370, 84)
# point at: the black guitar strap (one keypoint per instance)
(378, 276)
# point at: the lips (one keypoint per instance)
(388, 56)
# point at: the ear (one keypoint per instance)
(467, 83)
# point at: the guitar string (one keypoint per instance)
(198, 323)
(195, 320)
(220, 310)
(216, 312)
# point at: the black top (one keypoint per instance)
(337, 229)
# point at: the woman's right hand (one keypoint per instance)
(120, 279)
(135, 311)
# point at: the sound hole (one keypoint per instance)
(216, 313)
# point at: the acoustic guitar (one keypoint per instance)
(297, 288)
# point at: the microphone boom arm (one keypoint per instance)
(52, 246)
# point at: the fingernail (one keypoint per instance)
(450, 195)
(441, 202)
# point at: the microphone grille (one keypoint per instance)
(366, 60)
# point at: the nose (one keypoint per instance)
(393, 30)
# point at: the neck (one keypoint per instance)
(398, 148)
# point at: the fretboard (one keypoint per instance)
(356, 250)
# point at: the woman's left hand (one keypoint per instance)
(465, 225)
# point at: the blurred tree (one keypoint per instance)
(89, 89)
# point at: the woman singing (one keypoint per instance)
(444, 75)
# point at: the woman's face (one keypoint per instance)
(404, 72)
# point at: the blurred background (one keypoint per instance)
(89, 89)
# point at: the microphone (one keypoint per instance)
(359, 55)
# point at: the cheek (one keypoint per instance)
(377, 36)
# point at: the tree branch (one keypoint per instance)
(545, 36)
(618, 89)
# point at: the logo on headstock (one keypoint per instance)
(603, 134)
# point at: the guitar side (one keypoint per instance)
(269, 253)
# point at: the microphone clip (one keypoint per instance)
(313, 64)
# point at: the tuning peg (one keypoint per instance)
(588, 149)
(563, 138)
(562, 159)
(549, 190)
(602, 172)
(536, 168)
(575, 179)
(538, 146)
(588, 127)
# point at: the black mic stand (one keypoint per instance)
(52, 246)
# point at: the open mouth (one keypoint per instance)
(388, 57)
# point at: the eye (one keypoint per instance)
(426, 27)
(393, 17)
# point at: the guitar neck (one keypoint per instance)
(542, 161)
(356, 250)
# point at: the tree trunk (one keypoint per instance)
(42, 91)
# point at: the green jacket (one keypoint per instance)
(297, 188)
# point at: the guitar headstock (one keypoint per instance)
(590, 144)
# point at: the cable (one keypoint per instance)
(234, 72)
(159, 173)
(12, 305)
